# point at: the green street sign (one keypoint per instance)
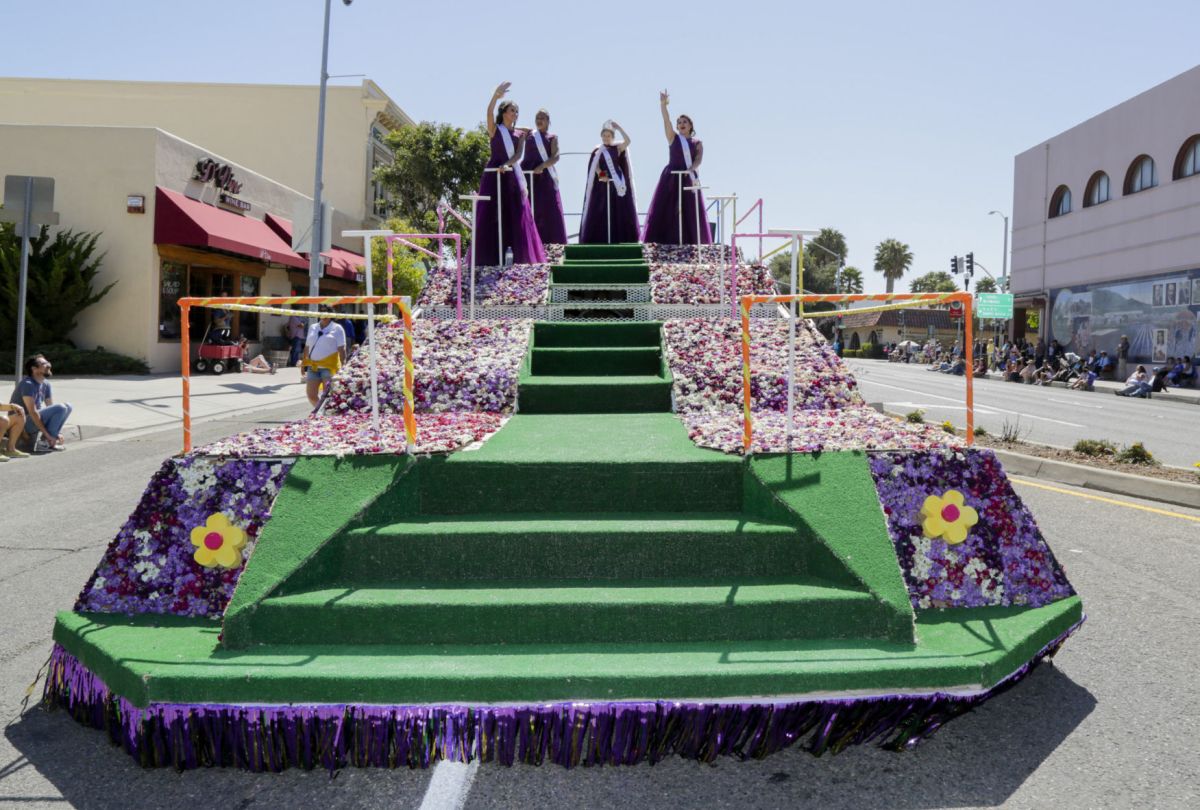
(994, 305)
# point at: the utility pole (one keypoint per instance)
(314, 256)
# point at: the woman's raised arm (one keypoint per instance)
(664, 98)
(501, 89)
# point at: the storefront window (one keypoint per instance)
(249, 320)
(172, 283)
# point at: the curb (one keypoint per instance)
(1112, 481)
(1081, 475)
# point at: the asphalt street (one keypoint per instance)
(1113, 722)
(1053, 415)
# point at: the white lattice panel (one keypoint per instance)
(560, 293)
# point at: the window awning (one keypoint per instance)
(338, 263)
(180, 220)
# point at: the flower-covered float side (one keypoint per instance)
(155, 565)
(516, 284)
(702, 283)
(962, 536)
(689, 254)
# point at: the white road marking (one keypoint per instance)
(993, 407)
(449, 786)
(1075, 404)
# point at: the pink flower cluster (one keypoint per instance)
(351, 434)
(459, 366)
(688, 254)
(706, 360)
(814, 431)
(494, 286)
(701, 283)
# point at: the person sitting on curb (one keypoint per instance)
(1138, 384)
(44, 417)
(12, 424)
(259, 365)
(1187, 375)
(1086, 381)
(324, 353)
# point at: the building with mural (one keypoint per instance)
(1106, 228)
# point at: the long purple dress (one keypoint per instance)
(520, 234)
(544, 196)
(594, 230)
(662, 220)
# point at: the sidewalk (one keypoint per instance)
(104, 405)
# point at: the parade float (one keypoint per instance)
(602, 521)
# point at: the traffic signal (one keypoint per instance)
(970, 264)
(954, 265)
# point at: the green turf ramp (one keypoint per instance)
(321, 495)
(833, 496)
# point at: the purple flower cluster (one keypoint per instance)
(459, 366)
(814, 431)
(688, 254)
(554, 253)
(701, 283)
(352, 434)
(149, 568)
(706, 360)
(1004, 560)
(494, 286)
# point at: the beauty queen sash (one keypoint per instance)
(686, 147)
(541, 147)
(510, 149)
(617, 179)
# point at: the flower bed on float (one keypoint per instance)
(554, 253)
(701, 283)
(196, 514)
(494, 286)
(962, 536)
(814, 431)
(688, 254)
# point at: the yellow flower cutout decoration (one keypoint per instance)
(946, 517)
(218, 542)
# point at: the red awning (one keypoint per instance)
(180, 220)
(338, 263)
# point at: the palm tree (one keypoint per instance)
(892, 258)
(852, 280)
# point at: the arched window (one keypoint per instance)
(1142, 175)
(855, 343)
(1097, 190)
(873, 338)
(1188, 161)
(1060, 202)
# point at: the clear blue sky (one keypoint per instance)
(883, 119)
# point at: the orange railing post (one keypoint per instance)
(186, 351)
(969, 353)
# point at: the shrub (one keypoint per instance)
(872, 350)
(948, 427)
(1012, 433)
(1135, 453)
(69, 360)
(917, 417)
(980, 430)
(851, 353)
(1095, 447)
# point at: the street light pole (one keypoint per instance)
(314, 256)
(1004, 282)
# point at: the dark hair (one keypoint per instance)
(504, 107)
(541, 112)
(691, 123)
(325, 311)
(33, 362)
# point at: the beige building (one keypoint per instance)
(268, 127)
(893, 326)
(180, 215)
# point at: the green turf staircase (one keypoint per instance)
(601, 273)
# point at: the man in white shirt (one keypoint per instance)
(324, 353)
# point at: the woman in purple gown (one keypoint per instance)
(673, 205)
(508, 225)
(541, 153)
(609, 208)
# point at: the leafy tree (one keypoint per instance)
(62, 272)
(409, 267)
(852, 280)
(985, 285)
(892, 259)
(432, 162)
(827, 247)
(934, 281)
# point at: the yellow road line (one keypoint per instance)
(1102, 499)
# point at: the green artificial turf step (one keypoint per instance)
(594, 395)
(600, 273)
(554, 546)
(566, 611)
(631, 250)
(592, 463)
(154, 658)
(582, 335)
(603, 361)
